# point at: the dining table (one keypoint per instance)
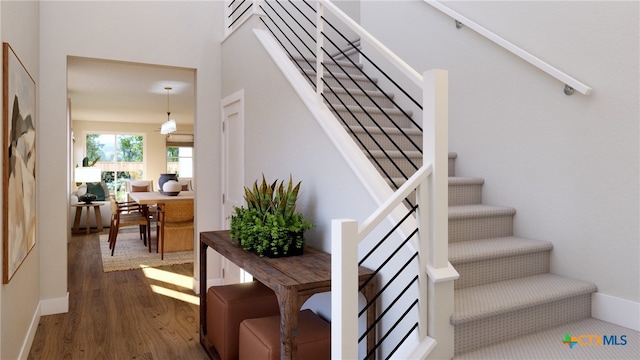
(156, 197)
(181, 239)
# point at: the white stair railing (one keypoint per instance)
(430, 182)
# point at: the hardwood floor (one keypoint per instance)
(118, 315)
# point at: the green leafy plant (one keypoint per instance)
(269, 224)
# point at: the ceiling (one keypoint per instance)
(115, 91)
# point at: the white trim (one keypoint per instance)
(31, 334)
(55, 306)
(615, 310)
(416, 349)
(442, 274)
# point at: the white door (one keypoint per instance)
(232, 173)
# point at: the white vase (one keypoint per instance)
(171, 187)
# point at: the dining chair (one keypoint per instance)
(175, 215)
(143, 186)
(186, 184)
(139, 186)
(124, 214)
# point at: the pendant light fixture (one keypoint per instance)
(170, 125)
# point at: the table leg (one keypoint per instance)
(76, 221)
(96, 211)
(369, 292)
(88, 218)
(287, 298)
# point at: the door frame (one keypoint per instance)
(232, 106)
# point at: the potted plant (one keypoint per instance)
(269, 225)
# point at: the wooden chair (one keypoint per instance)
(139, 186)
(176, 215)
(128, 214)
(143, 186)
(186, 184)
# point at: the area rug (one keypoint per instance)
(131, 254)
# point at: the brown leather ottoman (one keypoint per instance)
(228, 306)
(260, 338)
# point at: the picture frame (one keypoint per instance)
(19, 163)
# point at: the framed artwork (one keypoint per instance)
(18, 163)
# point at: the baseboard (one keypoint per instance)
(616, 310)
(55, 306)
(31, 334)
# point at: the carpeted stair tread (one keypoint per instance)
(370, 110)
(461, 212)
(341, 76)
(388, 130)
(355, 92)
(483, 249)
(480, 302)
(312, 60)
(454, 180)
(395, 154)
(547, 344)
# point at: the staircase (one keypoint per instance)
(505, 290)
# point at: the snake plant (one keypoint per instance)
(269, 224)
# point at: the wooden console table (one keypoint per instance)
(294, 280)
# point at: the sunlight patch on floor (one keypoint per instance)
(176, 294)
(169, 277)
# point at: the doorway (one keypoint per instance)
(126, 98)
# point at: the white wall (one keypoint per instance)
(183, 34)
(569, 165)
(19, 298)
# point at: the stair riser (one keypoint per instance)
(371, 119)
(500, 269)
(452, 167)
(358, 99)
(379, 141)
(475, 334)
(465, 194)
(480, 228)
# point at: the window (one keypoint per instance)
(180, 160)
(119, 156)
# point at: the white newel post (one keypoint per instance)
(436, 151)
(344, 289)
